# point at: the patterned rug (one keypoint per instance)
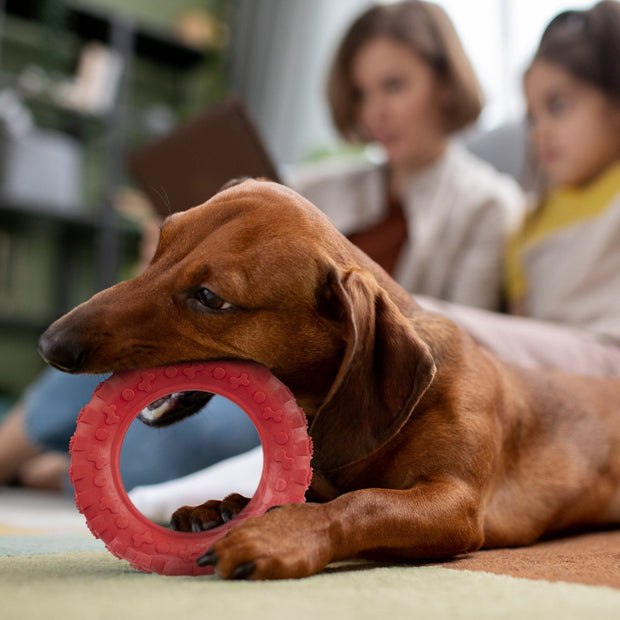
(51, 567)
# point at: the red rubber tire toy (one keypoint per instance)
(96, 447)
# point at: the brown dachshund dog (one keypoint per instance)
(426, 445)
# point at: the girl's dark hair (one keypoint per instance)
(428, 32)
(586, 44)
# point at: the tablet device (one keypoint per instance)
(186, 167)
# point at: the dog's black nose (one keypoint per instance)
(61, 350)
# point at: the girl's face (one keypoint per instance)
(575, 127)
(398, 102)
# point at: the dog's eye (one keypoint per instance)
(212, 301)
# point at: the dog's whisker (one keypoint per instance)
(161, 192)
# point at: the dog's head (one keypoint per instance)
(257, 273)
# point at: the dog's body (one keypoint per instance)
(426, 445)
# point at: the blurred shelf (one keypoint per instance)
(83, 223)
(88, 249)
(89, 22)
(12, 211)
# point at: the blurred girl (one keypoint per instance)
(564, 265)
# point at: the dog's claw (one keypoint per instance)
(226, 515)
(175, 524)
(243, 571)
(208, 559)
(198, 525)
(209, 525)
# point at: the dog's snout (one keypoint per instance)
(61, 350)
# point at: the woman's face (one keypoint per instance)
(574, 127)
(398, 102)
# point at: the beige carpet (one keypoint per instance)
(52, 568)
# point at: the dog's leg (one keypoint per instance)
(437, 519)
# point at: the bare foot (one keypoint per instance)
(46, 471)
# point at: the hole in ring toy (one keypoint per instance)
(96, 446)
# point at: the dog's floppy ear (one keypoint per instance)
(386, 368)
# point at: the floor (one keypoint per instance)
(43, 511)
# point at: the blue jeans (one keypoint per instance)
(149, 455)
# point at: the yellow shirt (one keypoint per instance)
(563, 208)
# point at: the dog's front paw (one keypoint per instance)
(290, 542)
(208, 515)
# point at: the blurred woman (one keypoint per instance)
(433, 215)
